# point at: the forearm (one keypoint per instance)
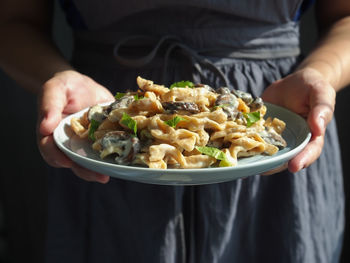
(28, 55)
(332, 55)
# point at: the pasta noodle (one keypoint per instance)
(185, 126)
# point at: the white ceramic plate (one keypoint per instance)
(297, 135)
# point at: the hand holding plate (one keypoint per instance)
(67, 92)
(307, 93)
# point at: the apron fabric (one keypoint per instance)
(280, 218)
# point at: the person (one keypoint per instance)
(295, 215)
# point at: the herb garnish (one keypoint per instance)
(252, 117)
(119, 95)
(129, 122)
(138, 97)
(174, 121)
(93, 127)
(216, 153)
(182, 84)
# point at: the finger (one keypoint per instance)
(91, 94)
(89, 175)
(52, 101)
(54, 157)
(308, 155)
(319, 117)
(51, 154)
(322, 101)
(276, 170)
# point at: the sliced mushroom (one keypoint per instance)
(180, 106)
(226, 99)
(121, 143)
(245, 96)
(207, 87)
(256, 104)
(217, 144)
(123, 102)
(270, 136)
(97, 113)
(229, 103)
(223, 90)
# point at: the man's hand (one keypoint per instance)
(307, 93)
(66, 93)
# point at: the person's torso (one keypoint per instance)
(249, 24)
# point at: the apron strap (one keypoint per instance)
(136, 51)
(170, 43)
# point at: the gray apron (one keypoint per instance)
(281, 218)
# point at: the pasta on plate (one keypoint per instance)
(184, 126)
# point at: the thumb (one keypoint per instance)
(52, 103)
(322, 102)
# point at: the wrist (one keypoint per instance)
(325, 70)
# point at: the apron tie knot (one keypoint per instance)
(168, 43)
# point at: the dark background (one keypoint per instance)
(22, 178)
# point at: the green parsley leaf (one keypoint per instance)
(225, 163)
(129, 122)
(119, 95)
(93, 127)
(137, 97)
(216, 153)
(182, 84)
(174, 121)
(212, 152)
(252, 117)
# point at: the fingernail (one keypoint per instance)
(322, 124)
(303, 166)
(103, 178)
